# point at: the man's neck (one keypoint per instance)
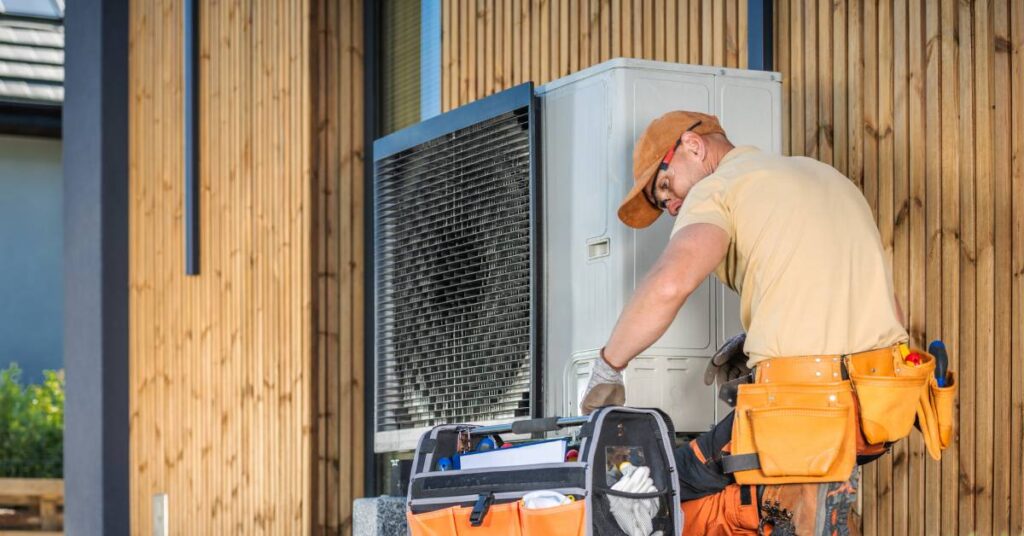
(717, 150)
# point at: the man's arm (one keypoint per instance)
(690, 256)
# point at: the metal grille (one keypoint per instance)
(454, 277)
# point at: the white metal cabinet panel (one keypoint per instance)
(750, 109)
(654, 94)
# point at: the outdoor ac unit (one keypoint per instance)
(512, 287)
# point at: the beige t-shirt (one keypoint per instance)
(804, 255)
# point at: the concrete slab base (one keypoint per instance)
(379, 516)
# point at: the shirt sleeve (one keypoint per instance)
(706, 203)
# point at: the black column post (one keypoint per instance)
(371, 29)
(96, 465)
(759, 38)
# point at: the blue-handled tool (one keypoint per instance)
(938, 349)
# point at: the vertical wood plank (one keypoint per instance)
(874, 473)
(840, 95)
(984, 261)
(1002, 110)
(682, 31)
(1017, 248)
(647, 34)
(810, 31)
(706, 33)
(627, 28)
(901, 206)
(446, 54)
(638, 29)
(465, 82)
(696, 38)
(885, 193)
(672, 31)
(716, 25)
(490, 59)
(824, 128)
(574, 35)
(660, 37)
(543, 40)
(743, 30)
(563, 38)
(478, 33)
(535, 17)
(796, 98)
(917, 156)
(968, 270)
(783, 49)
(508, 52)
(616, 32)
(950, 483)
(519, 42)
(731, 25)
(934, 230)
(500, 79)
(607, 36)
(855, 93)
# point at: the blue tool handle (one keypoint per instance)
(938, 349)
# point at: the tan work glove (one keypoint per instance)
(728, 363)
(605, 387)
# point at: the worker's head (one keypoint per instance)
(676, 151)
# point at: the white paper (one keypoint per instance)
(529, 454)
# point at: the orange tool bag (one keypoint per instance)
(445, 499)
(805, 419)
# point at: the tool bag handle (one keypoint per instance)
(532, 426)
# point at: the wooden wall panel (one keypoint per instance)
(221, 405)
(338, 257)
(921, 104)
(491, 45)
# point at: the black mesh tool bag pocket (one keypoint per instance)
(640, 438)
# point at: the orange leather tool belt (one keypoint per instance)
(805, 419)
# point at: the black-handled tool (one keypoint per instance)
(938, 349)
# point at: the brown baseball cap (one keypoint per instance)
(636, 211)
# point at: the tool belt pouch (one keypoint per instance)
(798, 432)
(935, 414)
(888, 391)
(488, 500)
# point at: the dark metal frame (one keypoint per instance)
(191, 134)
(518, 97)
(95, 152)
(759, 40)
(475, 112)
(30, 119)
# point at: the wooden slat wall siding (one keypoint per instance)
(338, 257)
(221, 405)
(921, 104)
(491, 45)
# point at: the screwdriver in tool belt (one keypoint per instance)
(938, 349)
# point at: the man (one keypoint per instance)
(798, 241)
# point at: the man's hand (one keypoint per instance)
(728, 363)
(605, 387)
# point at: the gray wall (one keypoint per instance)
(31, 253)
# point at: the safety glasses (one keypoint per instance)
(663, 166)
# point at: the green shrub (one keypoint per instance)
(31, 425)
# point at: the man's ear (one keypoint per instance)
(694, 146)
